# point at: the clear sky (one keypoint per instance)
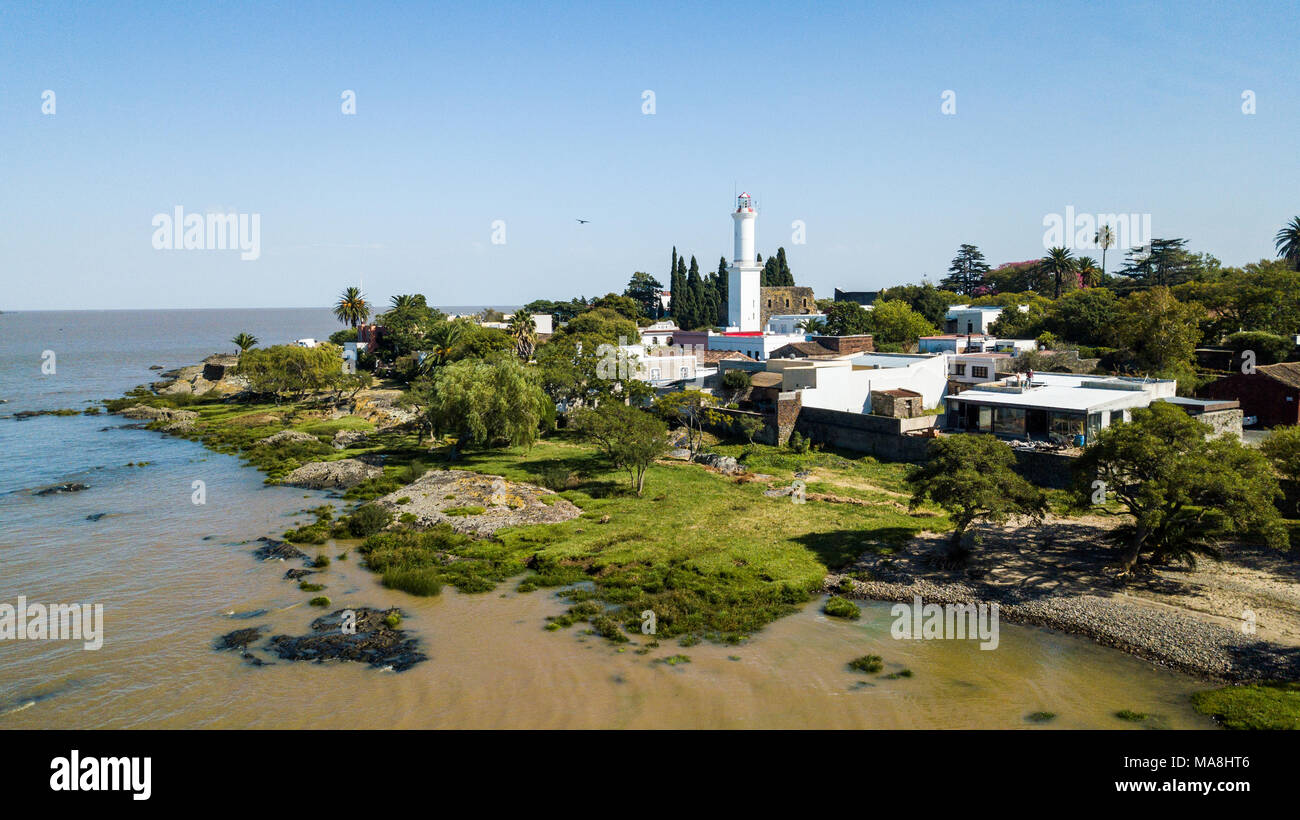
(532, 114)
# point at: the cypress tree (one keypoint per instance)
(674, 286)
(700, 312)
(785, 277)
(724, 290)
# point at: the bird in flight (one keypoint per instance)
(583, 221)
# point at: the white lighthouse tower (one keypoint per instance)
(744, 275)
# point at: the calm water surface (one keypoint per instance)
(170, 573)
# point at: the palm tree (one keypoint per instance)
(1089, 274)
(442, 341)
(244, 341)
(402, 300)
(1288, 243)
(1105, 239)
(1058, 263)
(352, 308)
(813, 325)
(524, 332)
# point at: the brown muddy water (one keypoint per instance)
(169, 573)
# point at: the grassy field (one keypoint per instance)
(710, 555)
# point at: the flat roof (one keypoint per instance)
(1058, 397)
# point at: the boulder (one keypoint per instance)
(288, 436)
(477, 504)
(344, 439)
(723, 464)
(325, 475)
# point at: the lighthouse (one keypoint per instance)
(743, 276)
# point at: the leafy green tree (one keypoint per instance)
(630, 439)
(734, 382)
(244, 341)
(477, 342)
(814, 324)
(644, 289)
(625, 306)
(575, 372)
(407, 325)
(967, 271)
(290, 371)
(352, 308)
(1268, 348)
(1090, 276)
(1262, 296)
(925, 299)
(894, 322)
(1157, 331)
(1060, 265)
(973, 478)
(1287, 243)
(1283, 450)
(847, 319)
(559, 311)
(1086, 316)
(1187, 495)
(486, 402)
(524, 332)
(604, 324)
(693, 409)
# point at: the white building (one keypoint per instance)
(789, 323)
(846, 384)
(1057, 406)
(754, 345)
(967, 319)
(744, 275)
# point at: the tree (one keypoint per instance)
(735, 381)
(603, 323)
(1087, 316)
(630, 439)
(925, 299)
(644, 289)
(1165, 263)
(690, 408)
(1187, 495)
(1158, 332)
(405, 301)
(487, 402)
(1287, 243)
(1105, 239)
(1283, 450)
(1059, 264)
(524, 332)
(244, 341)
(407, 325)
(290, 371)
(967, 271)
(893, 322)
(352, 308)
(847, 319)
(1262, 296)
(722, 282)
(813, 324)
(1090, 276)
(972, 477)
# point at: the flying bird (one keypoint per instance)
(583, 221)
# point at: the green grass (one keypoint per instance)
(1131, 716)
(1273, 705)
(710, 557)
(838, 607)
(319, 600)
(871, 664)
(468, 510)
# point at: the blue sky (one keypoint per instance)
(532, 114)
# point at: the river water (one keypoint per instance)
(170, 573)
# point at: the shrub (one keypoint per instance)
(367, 520)
(321, 561)
(867, 663)
(306, 587)
(319, 600)
(838, 607)
(1131, 716)
(421, 581)
(393, 620)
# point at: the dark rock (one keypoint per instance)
(295, 574)
(374, 642)
(239, 639)
(95, 516)
(272, 549)
(70, 487)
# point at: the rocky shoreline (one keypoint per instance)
(1174, 636)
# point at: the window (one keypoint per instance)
(684, 373)
(654, 374)
(979, 372)
(959, 369)
(1009, 421)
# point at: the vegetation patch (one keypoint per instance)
(1272, 705)
(838, 607)
(871, 664)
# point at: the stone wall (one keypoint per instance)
(785, 300)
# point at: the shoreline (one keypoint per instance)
(1191, 641)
